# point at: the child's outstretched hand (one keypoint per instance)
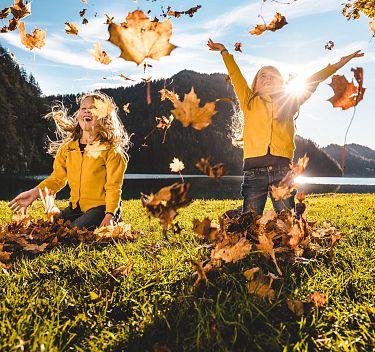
(345, 59)
(215, 46)
(23, 200)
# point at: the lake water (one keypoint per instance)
(228, 187)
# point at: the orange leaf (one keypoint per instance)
(100, 55)
(278, 22)
(71, 28)
(36, 40)
(139, 38)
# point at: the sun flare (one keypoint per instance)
(296, 86)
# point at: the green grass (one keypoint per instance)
(47, 303)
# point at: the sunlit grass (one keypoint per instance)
(47, 302)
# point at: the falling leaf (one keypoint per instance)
(95, 149)
(126, 108)
(372, 26)
(167, 94)
(269, 215)
(82, 12)
(197, 264)
(329, 45)
(125, 77)
(215, 171)
(300, 196)
(266, 246)
(4, 13)
(164, 123)
(102, 108)
(85, 21)
(139, 38)
(189, 112)
(347, 94)
(20, 10)
(176, 165)
(237, 47)
(189, 12)
(205, 230)
(109, 20)
(123, 270)
(71, 28)
(281, 192)
(100, 55)
(278, 22)
(36, 40)
(48, 200)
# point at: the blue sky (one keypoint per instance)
(64, 65)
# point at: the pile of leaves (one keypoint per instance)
(30, 236)
(276, 239)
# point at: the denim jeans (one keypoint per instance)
(90, 219)
(257, 185)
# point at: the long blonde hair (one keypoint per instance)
(110, 129)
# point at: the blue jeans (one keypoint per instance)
(257, 185)
(90, 219)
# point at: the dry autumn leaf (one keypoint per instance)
(260, 285)
(20, 10)
(4, 13)
(36, 40)
(123, 270)
(48, 201)
(189, 12)
(266, 246)
(329, 45)
(299, 308)
(99, 54)
(205, 230)
(319, 299)
(126, 108)
(189, 112)
(125, 77)
(176, 165)
(139, 38)
(372, 26)
(167, 94)
(347, 94)
(200, 272)
(71, 28)
(278, 22)
(231, 252)
(102, 108)
(237, 47)
(215, 171)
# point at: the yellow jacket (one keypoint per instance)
(267, 124)
(93, 179)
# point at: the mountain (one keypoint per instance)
(359, 160)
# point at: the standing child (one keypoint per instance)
(90, 156)
(268, 133)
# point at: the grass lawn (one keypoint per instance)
(66, 299)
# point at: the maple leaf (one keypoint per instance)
(20, 10)
(36, 40)
(99, 54)
(266, 247)
(278, 22)
(281, 192)
(139, 38)
(259, 284)
(347, 94)
(189, 112)
(237, 47)
(176, 165)
(71, 28)
(197, 264)
(230, 252)
(329, 45)
(167, 94)
(82, 12)
(123, 270)
(102, 108)
(126, 108)
(94, 150)
(205, 230)
(4, 13)
(215, 171)
(85, 21)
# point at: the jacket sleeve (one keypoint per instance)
(313, 81)
(115, 166)
(241, 88)
(58, 178)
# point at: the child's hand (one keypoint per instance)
(346, 59)
(108, 220)
(215, 46)
(23, 200)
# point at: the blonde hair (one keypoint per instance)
(110, 129)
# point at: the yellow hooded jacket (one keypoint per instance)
(268, 124)
(94, 178)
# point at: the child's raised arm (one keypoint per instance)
(313, 81)
(240, 85)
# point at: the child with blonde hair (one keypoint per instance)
(268, 132)
(91, 156)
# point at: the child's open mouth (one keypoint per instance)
(87, 119)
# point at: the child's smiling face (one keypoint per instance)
(268, 81)
(87, 121)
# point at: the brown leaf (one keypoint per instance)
(109, 20)
(197, 264)
(329, 45)
(266, 246)
(82, 12)
(123, 270)
(347, 94)
(189, 112)
(237, 47)
(167, 94)
(125, 77)
(100, 55)
(215, 171)
(35, 248)
(299, 308)
(278, 22)
(4, 13)
(205, 230)
(102, 108)
(126, 108)
(261, 285)
(189, 12)
(36, 40)
(71, 28)
(318, 298)
(139, 38)
(231, 252)
(20, 10)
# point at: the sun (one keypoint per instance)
(296, 86)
